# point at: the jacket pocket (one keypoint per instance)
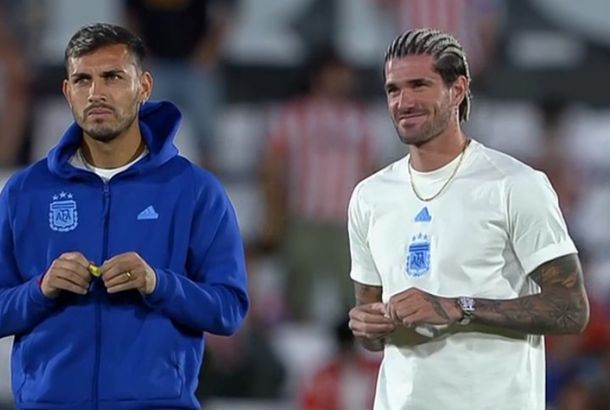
(154, 378)
(142, 360)
(44, 369)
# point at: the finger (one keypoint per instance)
(122, 258)
(124, 277)
(77, 257)
(367, 322)
(373, 317)
(114, 269)
(116, 258)
(72, 271)
(378, 307)
(69, 286)
(118, 264)
(393, 313)
(122, 287)
(405, 294)
(416, 319)
(401, 308)
(372, 331)
(409, 315)
(379, 328)
(71, 277)
(61, 279)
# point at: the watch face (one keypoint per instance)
(466, 304)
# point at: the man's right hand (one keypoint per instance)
(68, 272)
(370, 322)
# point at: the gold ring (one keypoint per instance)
(129, 275)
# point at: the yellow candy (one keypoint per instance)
(94, 270)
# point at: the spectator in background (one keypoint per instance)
(14, 96)
(319, 146)
(184, 39)
(346, 382)
(475, 23)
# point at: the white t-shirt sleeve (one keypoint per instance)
(537, 228)
(363, 268)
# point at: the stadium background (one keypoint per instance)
(541, 93)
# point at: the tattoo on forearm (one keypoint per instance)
(367, 294)
(561, 307)
(438, 308)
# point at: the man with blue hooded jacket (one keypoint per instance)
(116, 253)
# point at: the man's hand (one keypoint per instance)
(414, 307)
(128, 271)
(68, 272)
(370, 322)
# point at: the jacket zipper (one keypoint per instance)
(98, 308)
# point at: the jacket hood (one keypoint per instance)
(159, 123)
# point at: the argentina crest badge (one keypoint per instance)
(63, 215)
(418, 256)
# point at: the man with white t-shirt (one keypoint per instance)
(460, 255)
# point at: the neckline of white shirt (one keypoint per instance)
(79, 161)
(443, 172)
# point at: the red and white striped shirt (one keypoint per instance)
(327, 149)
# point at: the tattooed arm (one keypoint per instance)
(368, 320)
(560, 307)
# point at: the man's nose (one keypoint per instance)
(405, 99)
(97, 92)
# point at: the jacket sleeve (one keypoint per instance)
(22, 304)
(214, 297)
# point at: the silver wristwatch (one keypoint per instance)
(467, 306)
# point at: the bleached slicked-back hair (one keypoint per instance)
(449, 57)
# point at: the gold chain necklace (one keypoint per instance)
(455, 170)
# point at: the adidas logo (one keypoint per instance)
(423, 215)
(148, 213)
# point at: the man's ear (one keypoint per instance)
(146, 85)
(65, 88)
(459, 89)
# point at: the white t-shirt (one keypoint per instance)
(78, 161)
(495, 222)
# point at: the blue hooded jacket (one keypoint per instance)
(118, 351)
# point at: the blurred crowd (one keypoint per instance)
(284, 102)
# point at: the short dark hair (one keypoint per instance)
(91, 37)
(450, 58)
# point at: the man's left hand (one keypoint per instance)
(414, 307)
(128, 271)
